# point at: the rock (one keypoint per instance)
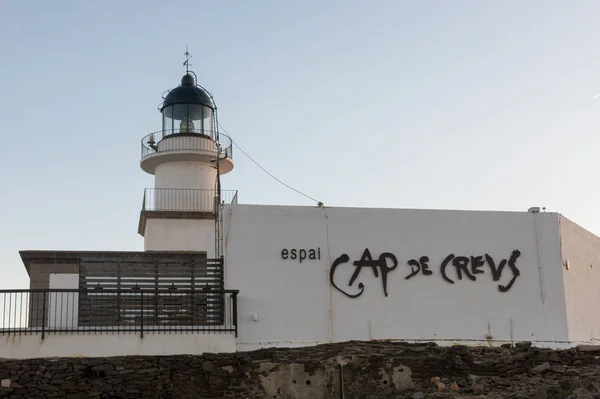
(402, 378)
(418, 395)
(5, 383)
(588, 348)
(502, 382)
(558, 368)
(208, 365)
(418, 349)
(453, 386)
(506, 346)
(541, 368)
(10, 366)
(103, 367)
(92, 362)
(478, 387)
(580, 393)
(438, 383)
(554, 358)
(47, 387)
(148, 371)
(572, 373)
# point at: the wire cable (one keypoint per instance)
(266, 171)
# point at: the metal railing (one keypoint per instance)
(186, 200)
(117, 311)
(187, 140)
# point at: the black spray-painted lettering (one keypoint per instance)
(443, 268)
(462, 266)
(419, 266)
(497, 272)
(476, 263)
(344, 258)
(461, 263)
(366, 260)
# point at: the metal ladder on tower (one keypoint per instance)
(218, 209)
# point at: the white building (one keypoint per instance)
(216, 275)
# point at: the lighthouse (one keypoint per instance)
(187, 156)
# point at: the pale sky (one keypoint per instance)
(374, 103)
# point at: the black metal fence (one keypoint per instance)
(65, 311)
(190, 200)
(187, 140)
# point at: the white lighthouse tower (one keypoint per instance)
(186, 157)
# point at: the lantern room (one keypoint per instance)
(189, 133)
(188, 110)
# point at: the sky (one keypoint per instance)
(435, 104)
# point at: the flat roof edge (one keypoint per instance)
(47, 256)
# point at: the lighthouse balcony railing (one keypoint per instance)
(72, 311)
(186, 200)
(170, 140)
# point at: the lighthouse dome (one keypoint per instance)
(187, 93)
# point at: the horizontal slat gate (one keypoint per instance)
(147, 291)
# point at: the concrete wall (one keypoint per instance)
(39, 279)
(581, 252)
(180, 235)
(63, 307)
(185, 175)
(39, 273)
(287, 301)
(122, 344)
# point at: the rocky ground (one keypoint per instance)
(430, 371)
(520, 372)
(368, 370)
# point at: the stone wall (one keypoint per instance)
(369, 369)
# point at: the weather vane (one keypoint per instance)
(187, 60)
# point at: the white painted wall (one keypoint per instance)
(63, 309)
(180, 235)
(194, 143)
(104, 345)
(191, 175)
(288, 302)
(581, 281)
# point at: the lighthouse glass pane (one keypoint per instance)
(194, 113)
(188, 118)
(168, 122)
(207, 121)
(180, 113)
